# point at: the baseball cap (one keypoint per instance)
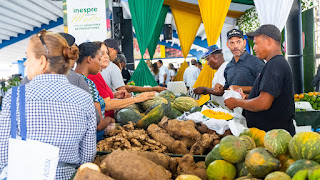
(268, 30)
(234, 33)
(68, 37)
(112, 43)
(211, 50)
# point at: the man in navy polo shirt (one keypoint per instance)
(244, 68)
(270, 104)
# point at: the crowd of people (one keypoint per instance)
(72, 109)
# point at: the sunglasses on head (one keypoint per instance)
(40, 34)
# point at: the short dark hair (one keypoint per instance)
(87, 49)
(160, 61)
(193, 61)
(121, 58)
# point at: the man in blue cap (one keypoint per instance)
(215, 60)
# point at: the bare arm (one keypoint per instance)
(165, 78)
(130, 88)
(121, 88)
(245, 89)
(261, 103)
(113, 104)
(104, 122)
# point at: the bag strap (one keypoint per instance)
(23, 123)
(13, 109)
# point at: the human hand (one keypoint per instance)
(200, 90)
(235, 87)
(218, 88)
(104, 123)
(159, 88)
(145, 96)
(230, 103)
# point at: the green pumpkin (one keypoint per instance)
(241, 169)
(213, 155)
(301, 175)
(314, 173)
(300, 165)
(277, 175)
(195, 109)
(174, 113)
(124, 116)
(221, 169)
(135, 107)
(149, 103)
(155, 115)
(168, 95)
(184, 103)
(248, 142)
(277, 141)
(232, 149)
(260, 162)
(305, 145)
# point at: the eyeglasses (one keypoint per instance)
(42, 41)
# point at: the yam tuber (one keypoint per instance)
(90, 171)
(165, 139)
(126, 165)
(179, 129)
(200, 146)
(188, 166)
(158, 158)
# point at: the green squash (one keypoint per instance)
(314, 173)
(260, 162)
(232, 149)
(220, 169)
(277, 175)
(156, 100)
(300, 165)
(213, 155)
(125, 115)
(247, 178)
(184, 103)
(277, 141)
(301, 175)
(155, 115)
(248, 142)
(174, 113)
(135, 107)
(168, 95)
(195, 109)
(305, 145)
(241, 169)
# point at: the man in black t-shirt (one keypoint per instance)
(270, 104)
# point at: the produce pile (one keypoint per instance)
(141, 165)
(271, 156)
(168, 136)
(312, 97)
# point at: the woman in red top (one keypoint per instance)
(106, 93)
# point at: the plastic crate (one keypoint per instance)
(308, 118)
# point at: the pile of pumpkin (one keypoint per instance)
(273, 155)
(166, 103)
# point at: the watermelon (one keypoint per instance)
(260, 162)
(125, 115)
(300, 165)
(213, 155)
(277, 175)
(221, 169)
(184, 103)
(168, 95)
(232, 149)
(305, 145)
(277, 141)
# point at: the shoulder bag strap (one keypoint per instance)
(13, 109)
(23, 122)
